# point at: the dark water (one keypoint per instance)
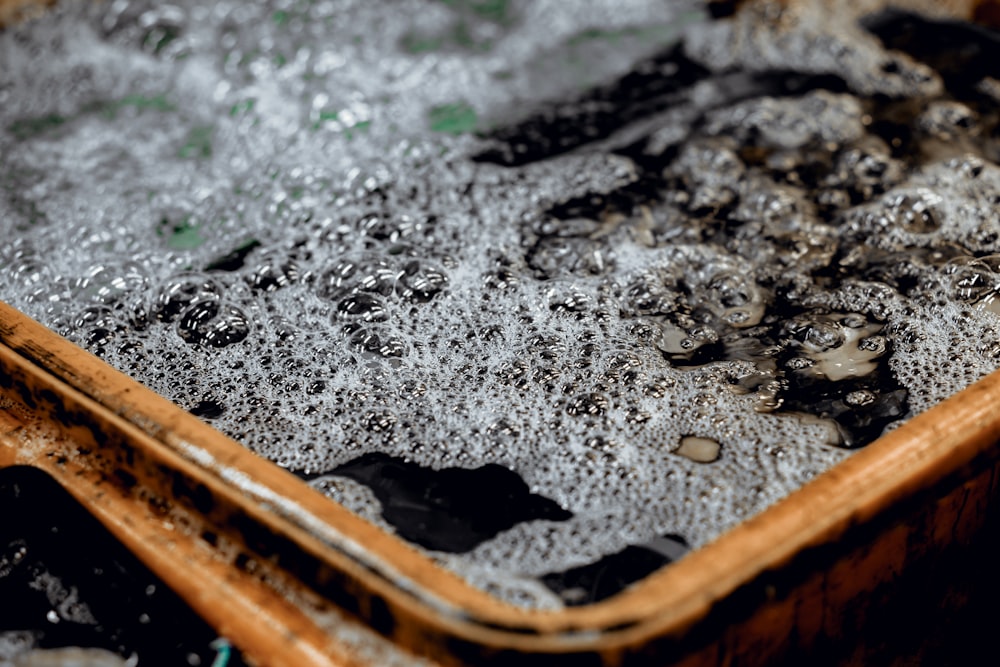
(725, 314)
(66, 582)
(616, 572)
(452, 509)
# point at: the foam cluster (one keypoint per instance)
(286, 219)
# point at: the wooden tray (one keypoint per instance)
(276, 567)
(263, 557)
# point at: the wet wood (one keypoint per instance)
(14, 11)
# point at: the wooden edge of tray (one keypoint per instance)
(271, 618)
(141, 439)
(16, 11)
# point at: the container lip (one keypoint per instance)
(931, 447)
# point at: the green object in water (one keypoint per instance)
(456, 118)
(138, 102)
(223, 652)
(245, 106)
(198, 143)
(182, 235)
(31, 127)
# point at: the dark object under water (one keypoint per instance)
(76, 586)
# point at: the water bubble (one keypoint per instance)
(378, 342)
(774, 206)
(659, 387)
(179, 293)
(742, 302)
(550, 348)
(837, 350)
(860, 398)
(822, 336)
(704, 399)
(566, 227)
(412, 389)
(876, 345)
(111, 283)
(213, 323)
(679, 344)
(854, 320)
(361, 307)
(500, 279)
(378, 277)
(514, 373)
(384, 227)
(799, 363)
(420, 281)
(712, 173)
(208, 408)
(864, 170)
(769, 394)
(569, 299)
(366, 273)
(555, 256)
(651, 294)
(971, 280)
(947, 120)
(818, 119)
(273, 272)
(378, 422)
(915, 212)
(592, 404)
(635, 415)
(331, 281)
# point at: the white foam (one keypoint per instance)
(137, 170)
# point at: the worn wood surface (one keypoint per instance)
(13, 11)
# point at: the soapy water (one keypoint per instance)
(663, 270)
